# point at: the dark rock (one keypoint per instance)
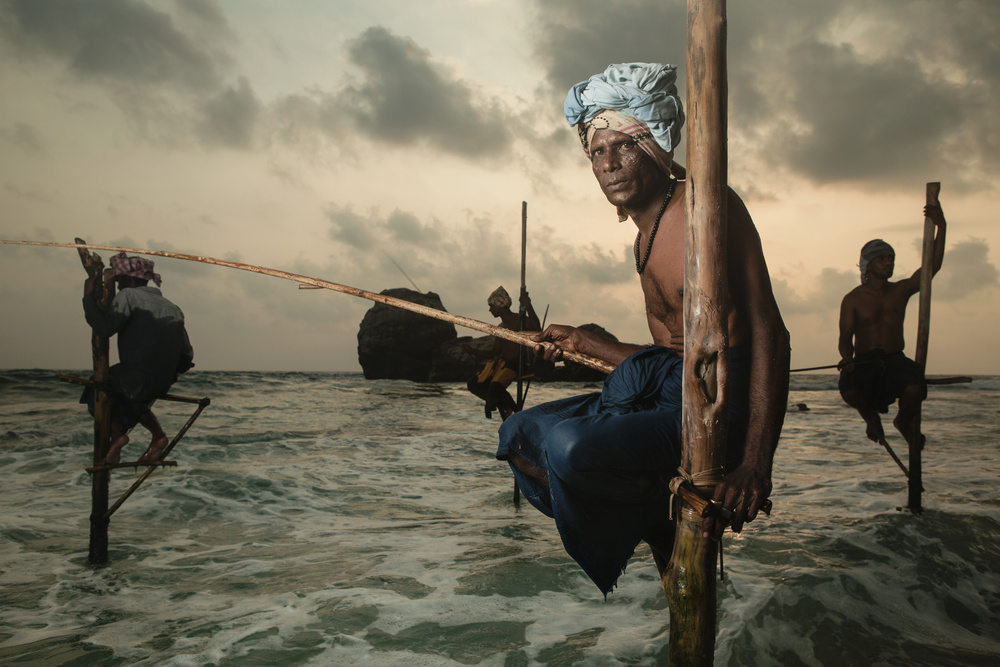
(398, 344)
(453, 364)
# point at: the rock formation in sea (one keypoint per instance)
(397, 344)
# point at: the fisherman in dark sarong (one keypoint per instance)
(599, 464)
(490, 383)
(153, 348)
(874, 370)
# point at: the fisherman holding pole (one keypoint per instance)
(490, 383)
(874, 370)
(153, 348)
(600, 464)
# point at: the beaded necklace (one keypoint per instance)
(641, 266)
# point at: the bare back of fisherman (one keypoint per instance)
(874, 370)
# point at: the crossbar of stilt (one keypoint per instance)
(203, 403)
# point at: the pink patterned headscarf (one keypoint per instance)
(609, 119)
(137, 267)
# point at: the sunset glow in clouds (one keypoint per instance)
(334, 138)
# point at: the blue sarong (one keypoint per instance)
(609, 457)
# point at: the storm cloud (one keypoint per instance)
(406, 99)
(853, 92)
(966, 270)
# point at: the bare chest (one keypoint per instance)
(663, 278)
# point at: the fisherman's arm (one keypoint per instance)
(105, 324)
(845, 344)
(585, 342)
(531, 321)
(745, 489)
(936, 214)
(186, 361)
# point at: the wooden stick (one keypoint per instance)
(520, 308)
(202, 404)
(813, 368)
(165, 397)
(915, 487)
(704, 507)
(958, 379)
(467, 322)
(689, 581)
(104, 292)
(130, 464)
(882, 441)
(818, 368)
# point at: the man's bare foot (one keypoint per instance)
(528, 468)
(905, 430)
(155, 450)
(114, 454)
(874, 431)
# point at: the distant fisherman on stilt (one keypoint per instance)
(490, 383)
(874, 370)
(153, 348)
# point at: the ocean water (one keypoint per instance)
(322, 519)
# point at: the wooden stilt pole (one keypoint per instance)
(916, 444)
(520, 327)
(104, 291)
(520, 309)
(689, 581)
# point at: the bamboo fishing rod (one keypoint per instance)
(821, 368)
(467, 322)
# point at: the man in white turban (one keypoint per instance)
(874, 370)
(599, 464)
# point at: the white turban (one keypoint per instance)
(646, 92)
(871, 250)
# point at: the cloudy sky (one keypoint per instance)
(341, 139)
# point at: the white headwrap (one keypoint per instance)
(646, 92)
(871, 250)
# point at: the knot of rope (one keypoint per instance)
(705, 478)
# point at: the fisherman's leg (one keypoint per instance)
(159, 441)
(909, 407)
(522, 444)
(476, 387)
(119, 438)
(608, 479)
(617, 457)
(500, 399)
(528, 468)
(873, 423)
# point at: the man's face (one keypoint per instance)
(882, 266)
(628, 177)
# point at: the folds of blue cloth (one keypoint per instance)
(599, 464)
